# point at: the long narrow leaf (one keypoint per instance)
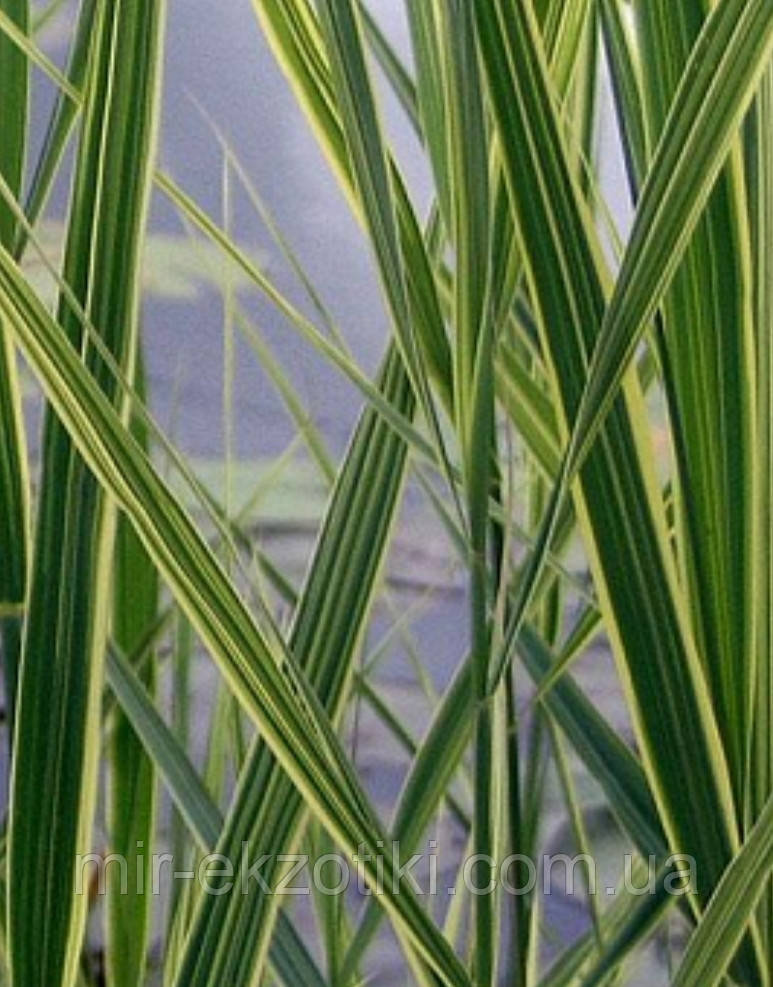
(13, 479)
(55, 765)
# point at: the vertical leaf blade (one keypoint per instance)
(14, 73)
(132, 801)
(57, 737)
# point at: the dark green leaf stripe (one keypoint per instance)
(759, 154)
(13, 476)
(132, 782)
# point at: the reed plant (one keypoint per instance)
(556, 392)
